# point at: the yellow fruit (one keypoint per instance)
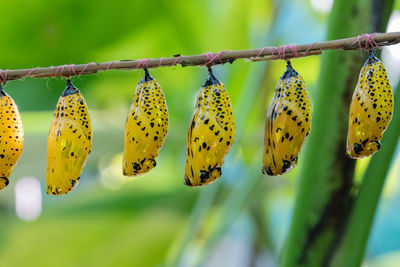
(11, 137)
(69, 142)
(287, 124)
(146, 127)
(211, 134)
(370, 110)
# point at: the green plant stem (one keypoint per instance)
(239, 194)
(202, 205)
(324, 198)
(205, 199)
(352, 249)
(229, 212)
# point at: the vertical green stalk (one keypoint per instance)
(203, 203)
(238, 195)
(352, 249)
(323, 199)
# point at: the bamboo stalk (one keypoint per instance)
(324, 195)
(355, 239)
(208, 59)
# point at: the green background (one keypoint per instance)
(111, 220)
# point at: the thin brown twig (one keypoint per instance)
(288, 55)
(269, 53)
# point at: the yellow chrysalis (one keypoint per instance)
(370, 110)
(211, 134)
(11, 137)
(287, 124)
(146, 127)
(69, 142)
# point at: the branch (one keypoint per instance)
(366, 41)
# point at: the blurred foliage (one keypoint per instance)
(111, 220)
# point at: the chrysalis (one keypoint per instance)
(287, 124)
(69, 142)
(146, 127)
(370, 110)
(11, 137)
(211, 134)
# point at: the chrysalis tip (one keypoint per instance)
(290, 72)
(147, 77)
(212, 80)
(70, 89)
(371, 58)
